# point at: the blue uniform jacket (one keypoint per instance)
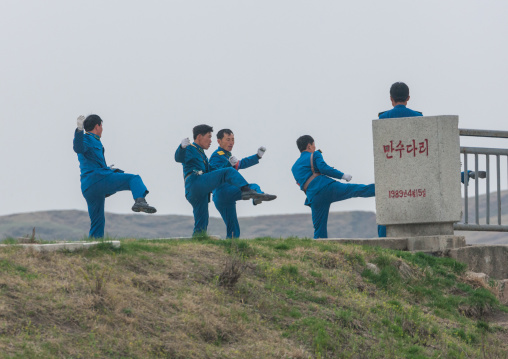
(91, 158)
(302, 172)
(399, 111)
(220, 159)
(193, 159)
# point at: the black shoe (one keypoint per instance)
(248, 193)
(141, 206)
(256, 201)
(264, 197)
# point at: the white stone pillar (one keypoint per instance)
(417, 174)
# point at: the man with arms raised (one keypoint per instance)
(315, 178)
(225, 196)
(99, 181)
(201, 178)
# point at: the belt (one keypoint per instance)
(306, 184)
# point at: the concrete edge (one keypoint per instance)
(213, 236)
(53, 247)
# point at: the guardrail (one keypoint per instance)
(487, 152)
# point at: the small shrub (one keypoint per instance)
(96, 278)
(283, 246)
(290, 270)
(233, 267)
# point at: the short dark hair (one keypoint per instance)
(91, 121)
(303, 141)
(399, 92)
(201, 130)
(224, 131)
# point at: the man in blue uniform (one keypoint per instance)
(201, 178)
(225, 196)
(315, 178)
(99, 181)
(399, 95)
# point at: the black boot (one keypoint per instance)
(141, 206)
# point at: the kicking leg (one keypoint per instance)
(339, 191)
(210, 181)
(125, 181)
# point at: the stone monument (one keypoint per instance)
(417, 174)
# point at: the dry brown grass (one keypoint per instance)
(75, 305)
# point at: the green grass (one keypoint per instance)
(296, 298)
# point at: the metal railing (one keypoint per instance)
(487, 152)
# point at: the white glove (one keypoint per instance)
(185, 142)
(346, 177)
(233, 160)
(80, 121)
(261, 151)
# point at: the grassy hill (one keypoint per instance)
(261, 298)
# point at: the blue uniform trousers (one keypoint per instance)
(199, 187)
(225, 202)
(334, 192)
(96, 194)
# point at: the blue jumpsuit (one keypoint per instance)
(323, 190)
(201, 179)
(225, 196)
(98, 181)
(396, 112)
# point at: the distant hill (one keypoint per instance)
(486, 237)
(74, 225)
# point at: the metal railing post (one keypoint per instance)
(487, 169)
(466, 183)
(498, 163)
(476, 207)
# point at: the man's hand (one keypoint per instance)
(80, 121)
(185, 142)
(346, 177)
(233, 160)
(261, 151)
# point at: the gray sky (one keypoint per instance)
(269, 70)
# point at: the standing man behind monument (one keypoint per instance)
(399, 95)
(201, 178)
(99, 181)
(315, 178)
(225, 196)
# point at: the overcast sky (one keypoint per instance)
(269, 70)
